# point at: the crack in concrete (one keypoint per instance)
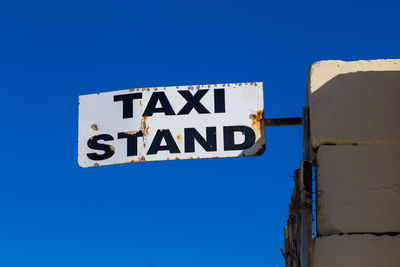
(365, 233)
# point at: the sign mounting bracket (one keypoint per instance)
(283, 122)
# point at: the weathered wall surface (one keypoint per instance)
(355, 133)
(357, 251)
(359, 189)
(354, 102)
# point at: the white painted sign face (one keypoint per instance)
(169, 123)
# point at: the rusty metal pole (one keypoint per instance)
(301, 229)
(306, 133)
(306, 194)
(283, 122)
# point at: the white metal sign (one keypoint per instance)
(168, 123)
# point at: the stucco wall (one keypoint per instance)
(357, 251)
(355, 134)
(359, 189)
(354, 102)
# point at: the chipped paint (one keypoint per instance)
(144, 127)
(260, 151)
(257, 120)
(94, 127)
(132, 132)
(257, 124)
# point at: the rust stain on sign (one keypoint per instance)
(257, 124)
(257, 120)
(144, 127)
(132, 132)
(94, 127)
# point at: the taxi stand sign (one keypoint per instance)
(168, 123)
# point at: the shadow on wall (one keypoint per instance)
(359, 107)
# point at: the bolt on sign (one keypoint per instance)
(168, 123)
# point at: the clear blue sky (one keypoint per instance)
(219, 212)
